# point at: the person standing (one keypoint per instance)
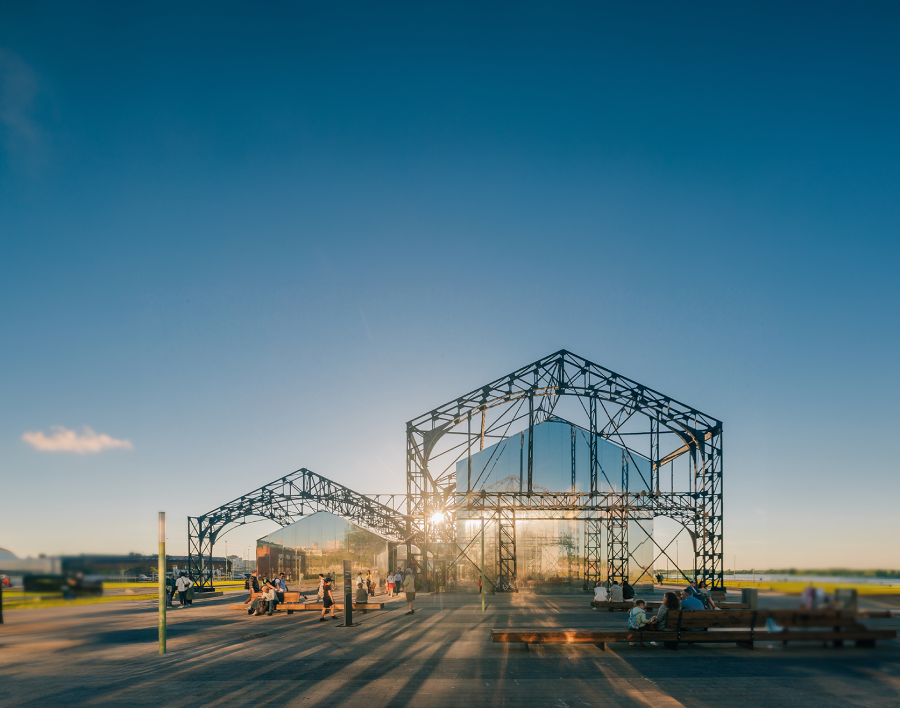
(170, 589)
(327, 599)
(409, 587)
(182, 585)
(280, 587)
(390, 585)
(320, 595)
(398, 582)
(252, 585)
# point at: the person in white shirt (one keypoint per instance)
(268, 597)
(599, 594)
(182, 585)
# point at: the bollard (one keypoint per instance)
(161, 570)
(749, 597)
(847, 597)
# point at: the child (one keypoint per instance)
(637, 618)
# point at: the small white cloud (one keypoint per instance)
(63, 440)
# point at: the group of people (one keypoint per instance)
(695, 596)
(269, 593)
(182, 585)
(616, 592)
(406, 581)
(266, 595)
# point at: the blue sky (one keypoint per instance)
(248, 239)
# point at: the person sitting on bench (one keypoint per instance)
(262, 603)
(705, 596)
(599, 593)
(670, 604)
(637, 618)
(627, 590)
(362, 597)
(615, 592)
(689, 601)
(270, 599)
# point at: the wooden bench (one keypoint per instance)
(292, 603)
(742, 627)
(628, 604)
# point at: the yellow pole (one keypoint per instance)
(161, 568)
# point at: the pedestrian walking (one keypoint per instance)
(182, 585)
(398, 582)
(327, 599)
(320, 595)
(390, 585)
(409, 587)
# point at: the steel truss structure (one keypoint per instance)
(642, 422)
(657, 427)
(285, 501)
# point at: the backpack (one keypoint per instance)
(632, 619)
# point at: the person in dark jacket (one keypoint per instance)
(627, 590)
(252, 585)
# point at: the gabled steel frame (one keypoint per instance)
(285, 501)
(532, 393)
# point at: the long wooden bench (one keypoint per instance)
(628, 604)
(292, 604)
(742, 627)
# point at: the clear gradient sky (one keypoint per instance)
(244, 238)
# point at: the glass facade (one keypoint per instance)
(320, 543)
(550, 553)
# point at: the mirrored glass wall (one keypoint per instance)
(550, 552)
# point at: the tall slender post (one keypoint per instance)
(482, 561)
(161, 569)
(530, 441)
(469, 452)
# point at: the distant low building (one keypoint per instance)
(10, 564)
(132, 565)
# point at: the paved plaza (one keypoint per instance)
(106, 655)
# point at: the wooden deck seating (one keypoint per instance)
(628, 604)
(292, 603)
(742, 627)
